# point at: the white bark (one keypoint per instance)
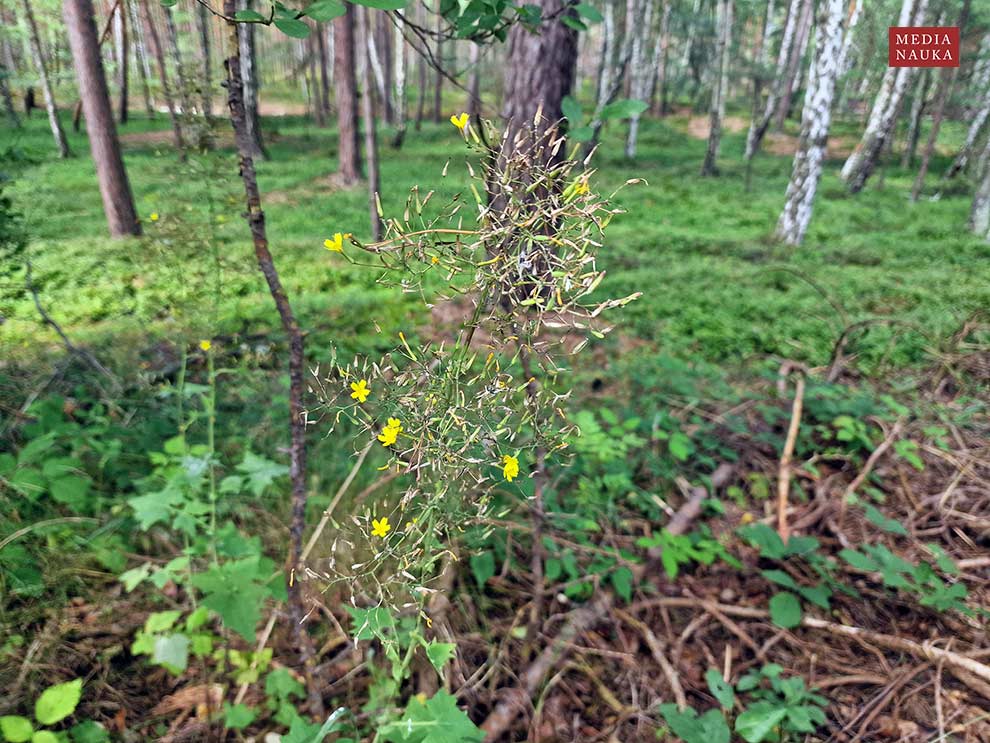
(815, 121)
(34, 42)
(758, 127)
(639, 72)
(399, 80)
(723, 24)
(980, 113)
(979, 216)
(845, 56)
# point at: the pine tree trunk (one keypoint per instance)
(861, 163)
(141, 57)
(344, 59)
(399, 82)
(723, 25)
(159, 55)
(115, 189)
(370, 132)
(202, 20)
(794, 64)
(815, 121)
(34, 41)
(759, 126)
(249, 79)
(121, 48)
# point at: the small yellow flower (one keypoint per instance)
(434, 260)
(337, 243)
(380, 527)
(390, 432)
(153, 216)
(205, 345)
(582, 188)
(510, 467)
(460, 121)
(360, 390)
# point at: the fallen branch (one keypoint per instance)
(873, 458)
(784, 471)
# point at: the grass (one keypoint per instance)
(716, 287)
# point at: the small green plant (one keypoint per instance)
(53, 705)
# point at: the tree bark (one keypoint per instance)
(344, 59)
(8, 101)
(34, 41)
(370, 132)
(723, 24)
(115, 189)
(473, 103)
(399, 96)
(815, 121)
(661, 51)
(438, 77)
(249, 78)
(121, 48)
(845, 56)
(861, 163)
(323, 62)
(421, 76)
(297, 424)
(202, 20)
(979, 215)
(172, 35)
(786, 99)
(918, 106)
(639, 72)
(141, 58)
(159, 55)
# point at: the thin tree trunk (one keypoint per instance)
(159, 55)
(399, 112)
(473, 104)
(918, 106)
(719, 88)
(180, 69)
(815, 121)
(786, 99)
(861, 163)
(385, 44)
(421, 79)
(639, 73)
(438, 78)
(202, 20)
(8, 101)
(324, 65)
(249, 78)
(297, 422)
(310, 48)
(143, 67)
(115, 189)
(845, 56)
(370, 133)
(34, 41)
(611, 78)
(759, 126)
(344, 59)
(979, 215)
(661, 51)
(373, 59)
(121, 48)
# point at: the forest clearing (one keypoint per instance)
(469, 371)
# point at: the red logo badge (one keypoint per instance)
(923, 46)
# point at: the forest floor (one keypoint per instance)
(879, 600)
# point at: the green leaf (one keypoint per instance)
(292, 27)
(133, 577)
(758, 721)
(785, 610)
(282, 685)
(172, 651)
(89, 731)
(238, 716)
(860, 561)
(624, 109)
(878, 519)
(16, 729)
(588, 12)
(262, 472)
(44, 736)
(325, 10)
(58, 702)
(720, 689)
(235, 591)
(160, 621)
(581, 133)
(572, 22)
(249, 16)
(168, 3)
(483, 566)
(438, 720)
(382, 4)
(711, 727)
(439, 653)
(622, 579)
(571, 109)
(679, 444)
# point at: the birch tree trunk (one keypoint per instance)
(344, 59)
(639, 72)
(758, 127)
(473, 107)
(34, 42)
(845, 56)
(438, 79)
(141, 54)
(918, 105)
(979, 113)
(661, 51)
(979, 215)
(861, 163)
(115, 189)
(399, 82)
(172, 35)
(202, 21)
(815, 121)
(120, 41)
(723, 24)
(786, 99)
(159, 54)
(421, 76)
(614, 73)
(370, 132)
(323, 61)
(249, 79)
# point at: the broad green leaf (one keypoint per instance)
(758, 721)
(44, 736)
(58, 702)
(622, 579)
(483, 566)
(325, 10)
(679, 444)
(439, 653)
(785, 610)
(780, 578)
(249, 16)
(877, 518)
(859, 561)
(133, 577)
(238, 716)
(262, 472)
(382, 4)
(282, 685)
(16, 729)
(89, 731)
(292, 27)
(709, 728)
(588, 12)
(581, 133)
(438, 720)
(720, 689)
(624, 109)
(571, 110)
(172, 651)
(234, 591)
(160, 621)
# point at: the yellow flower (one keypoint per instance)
(582, 188)
(390, 432)
(460, 121)
(205, 345)
(434, 260)
(510, 467)
(153, 216)
(337, 243)
(380, 527)
(360, 390)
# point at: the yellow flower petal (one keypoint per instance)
(380, 527)
(205, 345)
